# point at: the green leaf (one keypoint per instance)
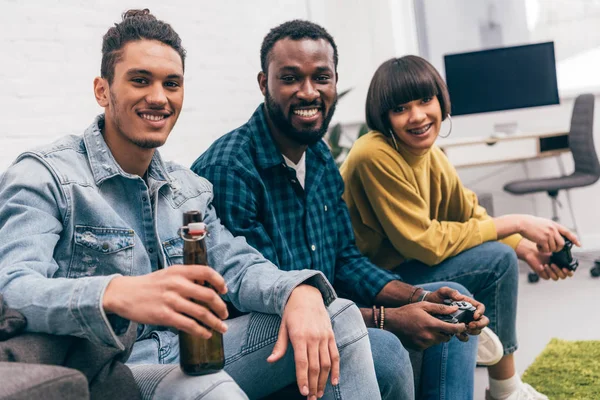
(364, 129)
(344, 92)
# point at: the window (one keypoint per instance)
(573, 26)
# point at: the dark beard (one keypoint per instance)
(145, 143)
(305, 137)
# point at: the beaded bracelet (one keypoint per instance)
(375, 321)
(381, 317)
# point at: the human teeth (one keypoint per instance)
(306, 113)
(420, 131)
(153, 117)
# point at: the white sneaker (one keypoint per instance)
(525, 392)
(489, 349)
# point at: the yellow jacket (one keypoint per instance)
(404, 206)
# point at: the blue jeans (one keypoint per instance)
(392, 366)
(249, 341)
(448, 369)
(490, 272)
(167, 381)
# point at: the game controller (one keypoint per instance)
(564, 258)
(464, 313)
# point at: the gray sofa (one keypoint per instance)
(20, 381)
(42, 366)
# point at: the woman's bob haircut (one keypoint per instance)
(401, 80)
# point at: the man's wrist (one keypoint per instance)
(109, 302)
(395, 294)
(367, 314)
(305, 290)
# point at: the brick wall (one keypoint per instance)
(50, 54)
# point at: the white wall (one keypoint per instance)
(455, 26)
(367, 33)
(51, 54)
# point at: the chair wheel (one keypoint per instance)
(532, 277)
(595, 271)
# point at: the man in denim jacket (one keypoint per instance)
(89, 242)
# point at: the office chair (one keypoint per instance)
(587, 167)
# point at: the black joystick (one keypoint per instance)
(463, 314)
(563, 258)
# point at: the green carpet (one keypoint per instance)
(567, 370)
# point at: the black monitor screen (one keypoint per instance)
(502, 79)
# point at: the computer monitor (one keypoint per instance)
(502, 79)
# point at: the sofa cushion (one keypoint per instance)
(20, 381)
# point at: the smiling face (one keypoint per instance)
(417, 123)
(145, 97)
(300, 89)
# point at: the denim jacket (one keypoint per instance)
(71, 220)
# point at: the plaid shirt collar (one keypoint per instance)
(267, 153)
(258, 196)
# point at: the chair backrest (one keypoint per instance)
(581, 135)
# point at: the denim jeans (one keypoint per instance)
(490, 272)
(167, 381)
(392, 366)
(448, 369)
(249, 341)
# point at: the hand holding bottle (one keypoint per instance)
(171, 297)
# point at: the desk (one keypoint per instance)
(470, 152)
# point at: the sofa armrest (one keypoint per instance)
(20, 381)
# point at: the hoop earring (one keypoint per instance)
(394, 140)
(450, 131)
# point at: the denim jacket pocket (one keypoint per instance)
(168, 346)
(102, 251)
(174, 250)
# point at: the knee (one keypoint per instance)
(452, 285)
(505, 258)
(226, 389)
(345, 316)
(167, 381)
(349, 329)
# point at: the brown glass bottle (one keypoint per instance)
(198, 356)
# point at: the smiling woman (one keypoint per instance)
(410, 212)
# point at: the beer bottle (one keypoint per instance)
(198, 356)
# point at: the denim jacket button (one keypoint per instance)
(104, 246)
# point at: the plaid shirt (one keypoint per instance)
(258, 196)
